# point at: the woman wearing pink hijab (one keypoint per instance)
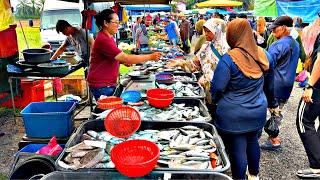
(309, 36)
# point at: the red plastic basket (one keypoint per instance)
(160, 98)
(109, 102)
(122, 122)
(160, 93)
(135, 158)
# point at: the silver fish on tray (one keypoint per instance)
(186, 147)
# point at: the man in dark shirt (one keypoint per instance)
(285, 53)
(185, 33)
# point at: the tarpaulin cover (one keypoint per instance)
(267, 8)
(126, 1)
(219, 3)
(306, 9)
(220, 11)
(148, 7)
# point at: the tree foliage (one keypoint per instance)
(29, 9)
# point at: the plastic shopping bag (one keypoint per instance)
(52, 149)
(302, 76)
(271, 127)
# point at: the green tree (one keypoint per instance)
(29, 9)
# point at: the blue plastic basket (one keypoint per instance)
(131, 96)
(47, 119)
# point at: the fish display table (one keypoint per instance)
(184, 146)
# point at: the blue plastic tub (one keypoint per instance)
(47, 119)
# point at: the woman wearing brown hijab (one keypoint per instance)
(237, 88)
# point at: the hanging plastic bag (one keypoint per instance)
(52, 149)
(302, 76)
(57, 84)
(271, 127)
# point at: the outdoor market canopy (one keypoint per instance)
(306, 9)
(126, 1)
(219, 3)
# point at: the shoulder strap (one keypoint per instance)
(214, 50)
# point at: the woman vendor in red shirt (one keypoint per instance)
(106, 56)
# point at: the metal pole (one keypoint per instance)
(12, 98)
(86, 60)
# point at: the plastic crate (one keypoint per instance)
(115, 175)
(9, 43)
(98, 126)
(31, 91)
(47, 119)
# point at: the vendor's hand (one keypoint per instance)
(172, 63)
(127, 65)
(307, 94)
(202, 81)
(155, 56)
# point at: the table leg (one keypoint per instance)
(12, 98)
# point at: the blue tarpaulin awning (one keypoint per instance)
(148, 7)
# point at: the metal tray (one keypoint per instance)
(179, 73)
(98, 126)
(141, 85)
(190, 103)
(113, 174)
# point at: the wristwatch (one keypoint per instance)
(308, 86)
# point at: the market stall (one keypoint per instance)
(156, 124)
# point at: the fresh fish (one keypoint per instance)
(210, 150)
(194, 140)
(201, 134)
(198, 158)
(204, 147)
(183, 147)
(185, 140)
(193, 134)
(169, 152)
(66, 166)
(193, 153)
(178, 140)
(212, 143)
(101, 165)
(85, 136)
(176, 134)
(208, 134)
(202, 142)
(92, 158)
(80, 146)
(93, 134)
(191, 163)
(151, 131)
(69, 159)
(184, 132)
(190, 127)
(78, 154)
(99, 144)
(105, 158)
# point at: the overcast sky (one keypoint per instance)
(14, 3)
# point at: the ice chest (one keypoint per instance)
(47, 119)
